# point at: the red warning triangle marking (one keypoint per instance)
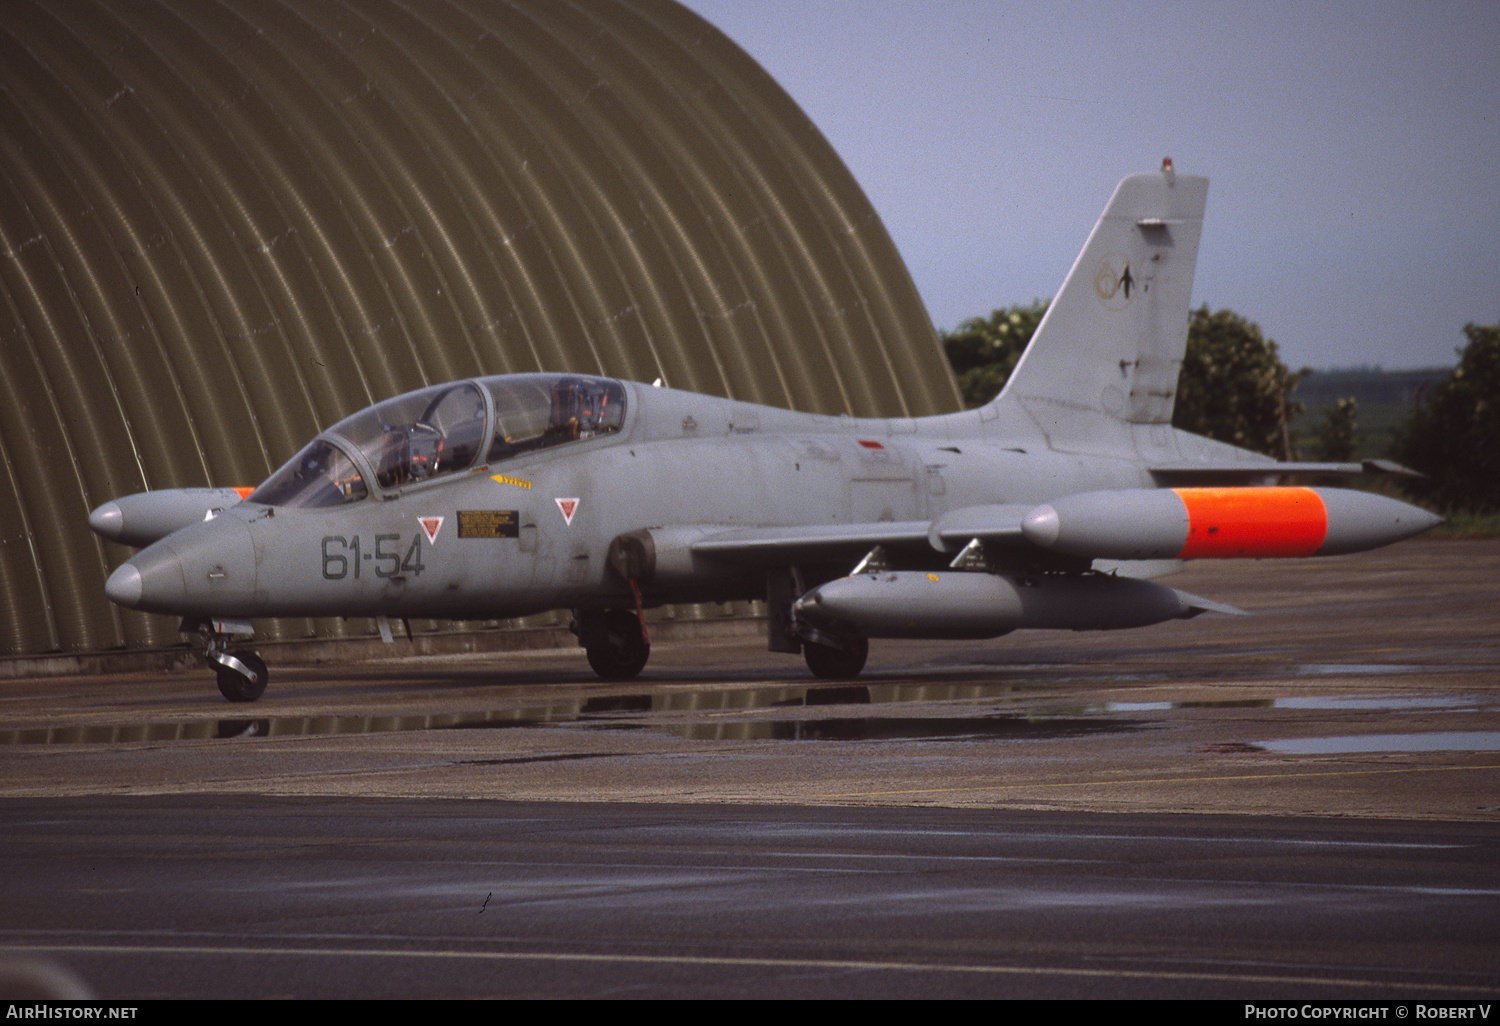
(568, 507)
(431, 525)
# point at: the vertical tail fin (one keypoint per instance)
(1107, 353)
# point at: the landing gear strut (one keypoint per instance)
(242, 674)
(615, 641)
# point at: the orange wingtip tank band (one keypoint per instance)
(1256, 523)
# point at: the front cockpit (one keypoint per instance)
(441, 430)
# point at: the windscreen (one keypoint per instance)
(320, 475)
(419, 435)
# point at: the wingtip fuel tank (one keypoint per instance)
(145, 517)
(1222, 523)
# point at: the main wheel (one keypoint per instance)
(623, 651)
(831, 663)
(243, 686)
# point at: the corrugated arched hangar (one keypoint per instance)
(226, 225)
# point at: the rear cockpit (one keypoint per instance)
(433, 432)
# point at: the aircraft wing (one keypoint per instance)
(815, 542)
(1247, 473)
(850, 542)
(1139, 531)
(948, 533)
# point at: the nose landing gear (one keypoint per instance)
(242, 674)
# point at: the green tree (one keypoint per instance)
(1454, 437)
(983, 350)
(1233, 386)
(1338, 433)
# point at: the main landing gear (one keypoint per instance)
(829, 656)
(241, 673)
(615, 640)
(835, 659)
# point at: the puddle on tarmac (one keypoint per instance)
(1436, 741)
(1356, 669)
(739, 714)
(898, 728)
(1394, 703)
(710, 714)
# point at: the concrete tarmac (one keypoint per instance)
(1361, 686)
(1301, 803)
(240, 896)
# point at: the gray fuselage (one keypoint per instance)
(533, 531)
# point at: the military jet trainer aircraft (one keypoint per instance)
(497, 497)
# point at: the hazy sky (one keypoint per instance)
(1353, 149)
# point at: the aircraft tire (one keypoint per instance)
(830, 663)
(625, 651)
(237, 687)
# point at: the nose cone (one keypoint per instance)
(124, 586)
(151, 581)
(204, 570)
(1418, 520)
(108, 521)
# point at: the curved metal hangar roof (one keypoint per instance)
(224, 226)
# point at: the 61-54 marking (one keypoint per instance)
(342, 556)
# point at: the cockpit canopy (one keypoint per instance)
(443, 429)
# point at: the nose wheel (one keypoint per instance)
(242, 675)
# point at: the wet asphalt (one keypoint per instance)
(1301, 802)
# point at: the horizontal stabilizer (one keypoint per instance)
(1140, 569)
(1197, 604)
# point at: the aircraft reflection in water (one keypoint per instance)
(512, 495)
